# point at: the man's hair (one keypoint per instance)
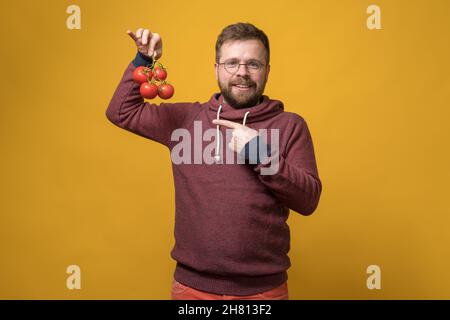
(242, 31)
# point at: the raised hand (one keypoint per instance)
(147, 43)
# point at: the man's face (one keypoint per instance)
(245, 87)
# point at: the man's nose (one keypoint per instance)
(242, 70)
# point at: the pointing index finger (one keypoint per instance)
(227, 123)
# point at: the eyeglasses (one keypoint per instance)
(232, 66)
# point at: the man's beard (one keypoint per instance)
(240, 100)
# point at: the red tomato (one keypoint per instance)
(142, 74)
(165, 91)
(149, 90)
(160, 74)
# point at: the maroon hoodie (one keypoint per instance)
(231, 235)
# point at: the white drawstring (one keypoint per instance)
(217, 155)
(245, 118)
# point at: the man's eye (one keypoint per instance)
(253, 65)
(231, 64)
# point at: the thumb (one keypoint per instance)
(132, 35)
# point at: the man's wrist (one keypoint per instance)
(142, 60)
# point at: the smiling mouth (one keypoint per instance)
(243, 86)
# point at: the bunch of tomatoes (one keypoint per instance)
(152, 79)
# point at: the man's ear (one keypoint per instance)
(268, 71)
(216, 66)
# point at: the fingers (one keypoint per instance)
(227, 123)
(147, 42)
(153, 41)
(145, 36)
(139, 33)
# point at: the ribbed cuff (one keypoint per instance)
(255, 151)
(142, 60)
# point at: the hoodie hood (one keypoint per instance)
(266, 109)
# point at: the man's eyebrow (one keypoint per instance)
(232, 59)
(254, 60)
(247, 61)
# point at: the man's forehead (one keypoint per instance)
(247, 49)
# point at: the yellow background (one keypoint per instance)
(77, 190)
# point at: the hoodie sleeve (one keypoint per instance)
(128, 110)
(295, 181)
